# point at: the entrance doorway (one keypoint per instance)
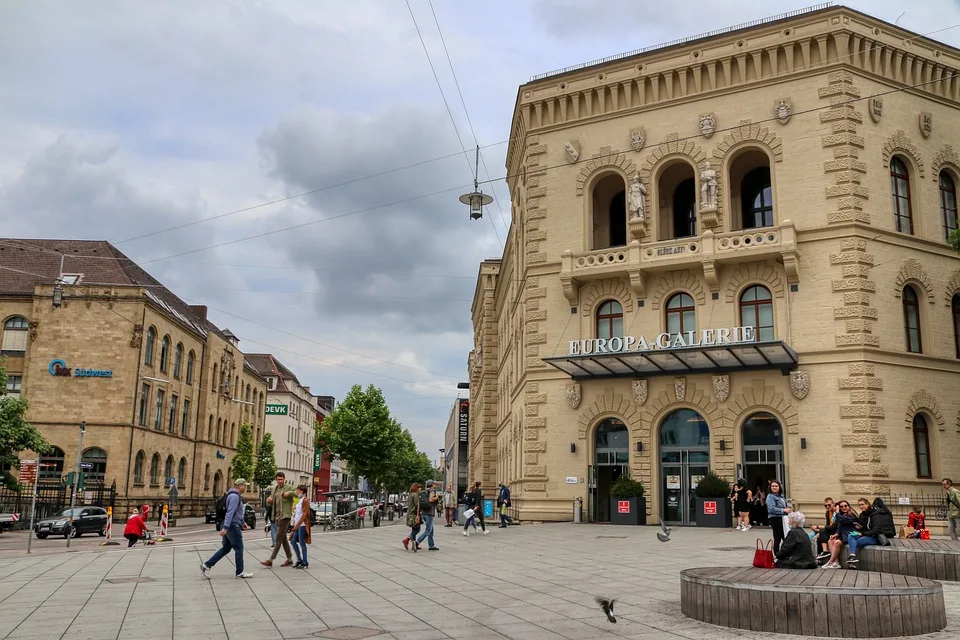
(684, 460)
(763, 451)
(611, 457)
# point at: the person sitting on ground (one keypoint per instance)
(875, 527)
(845, 522)
(796, 552)
(917, 521)
(135, 530)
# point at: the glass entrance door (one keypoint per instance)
(763, 451)
(680, 472)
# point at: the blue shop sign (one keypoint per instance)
(59, 368)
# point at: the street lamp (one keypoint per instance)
(76, 481)
(477, 199)
(57, 295)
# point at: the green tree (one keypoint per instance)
(361, 431)
(266, 469)
(243, 462)
(16, 434)
(954, 240)
(407, 465)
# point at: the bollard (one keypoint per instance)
(109, 541)
(577, 510)
(163, 526)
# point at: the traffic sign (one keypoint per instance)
(172, 482)
(28, 471)
(86, 465)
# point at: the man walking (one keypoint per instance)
(428, 507)
(282, 500)
(953, 507)
(503, 501)
(231, 532)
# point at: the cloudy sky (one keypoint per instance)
(122, 120)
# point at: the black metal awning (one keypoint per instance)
(716, 359)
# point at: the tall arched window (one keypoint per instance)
(955, 308)
(177, 360)
(681, 314)
(900, 189)
(219, 429)
(96, 458)
(217, 483)
(149, 346)
(164, 353)
(921, 446)
(190, 359)
(15, 332)
(610, 320)
(138, 467)
(155, 470)
(52, 464)
(756, 201)
(756, 310)
(233, 434)
(609, 212)
(168, 470)
(206, 477)
(948, 203)
(911, 320)
(685, 209)
(182, 473)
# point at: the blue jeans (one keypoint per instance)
(300, 544)
(860, 541)
(428, 531)
(232, 540)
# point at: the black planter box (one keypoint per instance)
(714, 512)
(635, 508)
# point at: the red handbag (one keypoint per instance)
(763, 556)
(924, 534)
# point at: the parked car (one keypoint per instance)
(8, 521)
(249, 516)
(321, 511)
(85, 520)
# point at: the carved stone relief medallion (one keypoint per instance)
(783, 110)
(708, 124)
(639, 391)
(680, 388)
(571, 150)
(638, 138)
(799, 384)
(926, 123)
(574, 395)
(876, 108)
(721, 387)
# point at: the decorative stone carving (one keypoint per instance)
(876, 108)
(900, 143)
(708, 124)
(35, 331)
(708, 188)
(638, 200)
(572, 150)
(137, 336)
(783, 111)
(477, 359)
(721, 387)
(799, 384)
(924, 401)
(946, 155)
(573, 395)
(640, 390)
(638, 138)
(925, 121)
(680, 388)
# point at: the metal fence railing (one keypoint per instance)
(934, 505)
(52, 498)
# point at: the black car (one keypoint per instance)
(249, 516)
(85, 520)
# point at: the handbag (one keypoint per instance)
(883, 540)
(763, 556)
(924, 534)
(785, 524)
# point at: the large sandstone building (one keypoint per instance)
(727, 253)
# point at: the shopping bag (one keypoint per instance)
(763, 556)
(906, 532)
(924, 534)
(468, 513)
(786, 525)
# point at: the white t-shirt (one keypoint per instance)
(298, 512)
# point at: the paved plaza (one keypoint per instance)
(528, 582)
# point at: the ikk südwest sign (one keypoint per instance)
(60, 369)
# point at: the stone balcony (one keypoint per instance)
(709, 251)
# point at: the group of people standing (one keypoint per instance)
(423, 504)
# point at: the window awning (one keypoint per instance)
(714, 359)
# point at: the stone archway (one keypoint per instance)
(925, 401)
(900, 143)
(911, 270)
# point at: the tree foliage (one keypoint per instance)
(407, 465)
(266, 469)
(16, 434)
(954, 240)
(243, 460)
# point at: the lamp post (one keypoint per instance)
(443, 461)
(477, 199)
(76, 481)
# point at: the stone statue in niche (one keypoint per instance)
(926, 124)
(876, 108)
(572, 149)
(574, 395)
(783, 111)
(637, 139)
(708, 124)
(638, 200)
(708, 188)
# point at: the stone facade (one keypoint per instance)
(794, 98)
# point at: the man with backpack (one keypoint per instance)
(503, 502)
(282, 500)
(428, 507)
(231, 532)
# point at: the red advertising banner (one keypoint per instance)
(709, 507)
(623, 506)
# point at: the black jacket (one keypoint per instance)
(796, 551)
(879, 520)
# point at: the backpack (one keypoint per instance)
(425, 505)
(220, 509)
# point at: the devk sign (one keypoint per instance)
(463, 418)
(705, 338)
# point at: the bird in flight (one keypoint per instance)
(607, 606)
(664, 534)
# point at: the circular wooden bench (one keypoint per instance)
(933, 559)
(815, 602)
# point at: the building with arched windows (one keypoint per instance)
(727, 253)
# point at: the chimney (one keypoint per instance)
(199, 310)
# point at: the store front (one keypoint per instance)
(610, 462)
(762, 453)
(684, 459)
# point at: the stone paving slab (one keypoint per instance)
(530, 582)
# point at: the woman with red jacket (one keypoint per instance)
(135, 528)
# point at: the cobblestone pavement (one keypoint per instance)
(528, 582)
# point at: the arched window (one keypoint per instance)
(681, 314)
(15, 332)
(149, 346)
(219, 430)
(955, 308)
(210, 429)
(190, 358)
(51, 464)
(206, 477)
(921, 446)
(609, 212)
(900, 189)
(177, 360)
(911, 320)
(182, 473)
(138, 467)
(685, 209)
(233, 434)
(756, 310)
(97, 459)
(218, 483)
(948, 203)
(164, 353)
(756, 201)
(155, 470)
(168, 470)
(610, 320)
(676, 206)
(214, 380)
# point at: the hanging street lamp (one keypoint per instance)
(477, 199)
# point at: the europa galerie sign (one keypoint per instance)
(705, 338)
(277, 409)
(60, 369)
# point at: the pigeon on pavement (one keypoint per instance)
(664, 534)
(607, 606)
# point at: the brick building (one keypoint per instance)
(727, 253)
(163, 392)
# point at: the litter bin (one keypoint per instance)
(577, 510)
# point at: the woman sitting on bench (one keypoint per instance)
(845, 522)
(796, 552)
